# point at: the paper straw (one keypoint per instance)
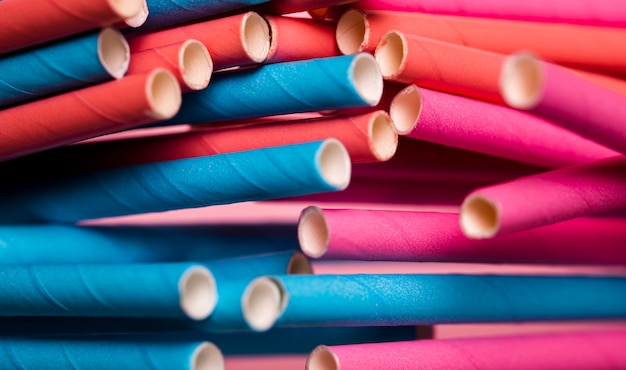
(95, 110)
(56, 244)
(65, 65)
(282, 88)
(440, 65)
(29, 23)
(286, 42)
(550, 92)
(399, 299)
(244, 39)
(296, 6)
(186, 183)
(361, 234)
(492, 129)
(188, 60)
(89, 353)
(183, 290)
(607, 13)
(580, 350)
(546, 198)
(137, 19)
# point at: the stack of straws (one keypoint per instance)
(485, 133)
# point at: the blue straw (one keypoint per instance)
(372, 300)
(267, 173)
(282, 88)
(61, 66)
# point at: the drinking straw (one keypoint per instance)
(286, 42)
(177, 290)
(138, 19)
(410, 299)
(545, 198)
(186, 183)
(64, 65)
(95, 353)
(440, 65)
(244, 39)
(189, 61)
(551, 92)
(28, 23)
(497, 130)
(386, 235)
(296, 6)
(359, 30)
(607, 13)
(291, 87)
(95, 110)
(56, 244)
(577, 350)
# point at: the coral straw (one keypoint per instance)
(61, 66)
(359, 234)
(576, 350)
(568, 100)
(95, 110)
(31, 22)
(244, 39)
(189, 61)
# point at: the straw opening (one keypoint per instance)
(322, 358)
(262, 303)
(164, 94)
(197, 66)
(367, 78)
(299, 265)
(479, 217)
(313, 232)
(113, 52)
(126, 8)
(256, 37)
(384, 136)
(140, 17)
(351, 32)
(521, 81)
(198, 293)
(207, 357)
(334, 163)
(390, 54)
(405, 109)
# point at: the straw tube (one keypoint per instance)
(100, 109)
(183, 290)
(282, 88)
(568, 100)
(64, 65)
(545, 198)
(265, 173)
(577, 350)
(440, 65)
(399, 299)
(244, 39)
(362, 234)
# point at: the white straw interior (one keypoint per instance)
(113, 52)
(390, 54)
(521, 81)
(140, 17)
(299, 265)
(479, 217)
(256, 36)
(198, 292)
(126, 8)
(262, 303)
(164, 94)
(405, 109)
(334, 163)
(367, 78)
(207, 357)
(197, 65)
(384, 136)
(313, 232)
(322, 358)
(351, 32)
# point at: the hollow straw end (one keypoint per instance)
(207, 356)
(391, 55)
(405, 109)
(352, 31)
(384, 136)
(479, 217)
(333, 163)
(198, 292)
(367, 78)
(196, 64)
(262, 303)
(521, 81)
(164, 94)
(113, 52)
(299, 264)
(256, 37)
(313, 232)
(322, 358)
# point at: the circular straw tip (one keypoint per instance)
(405, 109)
(390, 54)
(198, 292)
(164, 94)
(367, 78)
(313, 232)
(322, 358)
(334, 163)
(352, 32)
(299, 265)
(384, 136)
(262, 303)
(521, 81)
(479, 217)
(207, 356)
(197, 65)
(113, 52)
(256, 37)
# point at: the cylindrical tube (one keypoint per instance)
(188, 60)
(185, 183)
(95, 110)
(551, 92)
(64, 65)
(282, 88)
(545, 198)
(361, 234)
(179, 290)
(577, 350)
(244, 39)
(399, 299)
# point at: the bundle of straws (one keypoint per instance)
(321, 184)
